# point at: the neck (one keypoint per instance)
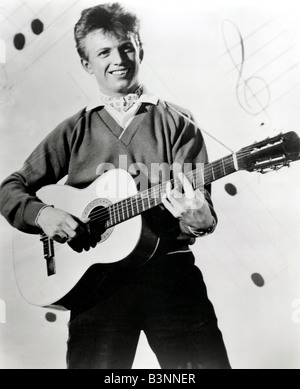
(133, 89)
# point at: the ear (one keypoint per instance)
(141, 55)
(86, 66)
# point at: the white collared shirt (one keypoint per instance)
(124, 118)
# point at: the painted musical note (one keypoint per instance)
(19, 41)
(253, 93)
(21, 26)
(37, 26)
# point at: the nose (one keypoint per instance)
(118, 57)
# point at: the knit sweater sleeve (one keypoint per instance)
(189, 150)
(47, 164)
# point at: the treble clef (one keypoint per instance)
(252, 93)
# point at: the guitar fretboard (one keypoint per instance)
(150, 198)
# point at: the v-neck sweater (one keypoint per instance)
(83, 144)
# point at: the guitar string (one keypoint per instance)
(141, 195)
(160, 189)
(102, 215)
(241, 153)
(137, 200)
(137, 203)
(144, 195)
(147, 194)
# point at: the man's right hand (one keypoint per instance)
(63, 227)
(57, 224)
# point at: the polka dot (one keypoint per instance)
(37, 26)
(231, 189)
(19, 41)
(51, 317)
(258, 279)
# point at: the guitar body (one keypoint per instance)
(49, 273)
(129, 241)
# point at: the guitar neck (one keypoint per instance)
(150, 198)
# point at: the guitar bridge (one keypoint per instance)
(49, 255)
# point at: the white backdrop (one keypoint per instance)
(235, 65)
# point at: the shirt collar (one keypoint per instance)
(145, 98)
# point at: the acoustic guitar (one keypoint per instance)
(48, 272)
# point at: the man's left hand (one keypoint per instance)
(190, 207)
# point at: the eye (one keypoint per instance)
(103, 53)
(128, 48)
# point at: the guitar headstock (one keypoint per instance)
(271, 153)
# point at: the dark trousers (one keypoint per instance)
(167, 299)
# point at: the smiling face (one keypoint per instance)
(113, 61)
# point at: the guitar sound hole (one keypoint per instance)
(99, 216)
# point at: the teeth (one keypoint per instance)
(119, 72)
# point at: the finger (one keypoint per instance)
(80, 242)
(93, 243)
(75, 246)
(86, 245)
(71, 222)
(175, 198)
(177, 194)
(200, 196)
(168, 190)
(69, 231)
(172, 194)
(84, 240)
(187, 186)
(95, 238)
(85, 220)
(177, 205)
(167, 203)
(170, 207)
(60, 238)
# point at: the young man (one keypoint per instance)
(166, 297)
